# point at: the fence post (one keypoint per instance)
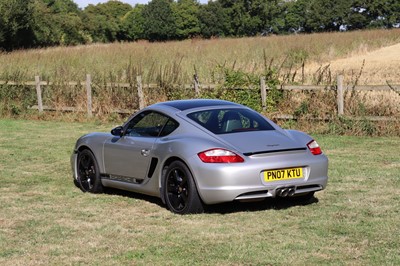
(140, 92)
(263, 93)
(89, 94)
(196, 85)
(39, 94)
(340, 99)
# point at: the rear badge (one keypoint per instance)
(272, 145)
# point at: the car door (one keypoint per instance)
(128, 157)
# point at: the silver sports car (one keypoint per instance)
(195, 152)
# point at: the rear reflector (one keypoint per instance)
(314, 147)
(219, 156)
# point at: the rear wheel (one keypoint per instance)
(88, 177)
(180, 190)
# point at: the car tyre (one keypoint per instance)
(180, 192)
(88, 177)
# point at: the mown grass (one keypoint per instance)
(45, 219)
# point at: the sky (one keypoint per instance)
(85, 3)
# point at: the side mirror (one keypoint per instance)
(118, 131)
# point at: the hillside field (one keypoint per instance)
(178, 61)
(362, 57)
(46, 220)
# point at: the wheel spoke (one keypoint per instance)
(183, 184)
(172, 188)
(177, 189)
(175, 201)
(184, 197)
(177, 177)
(84, 184)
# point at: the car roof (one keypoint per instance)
(195, 103)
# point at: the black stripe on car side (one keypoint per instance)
(125, 179)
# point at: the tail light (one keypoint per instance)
(314, 147)
(219, 156)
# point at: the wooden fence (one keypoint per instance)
(197, 87)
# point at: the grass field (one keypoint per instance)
(45, 219)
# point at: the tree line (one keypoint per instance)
(43, 23)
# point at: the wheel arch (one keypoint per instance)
(84, 147)
(97, 153)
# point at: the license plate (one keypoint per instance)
(283, 174)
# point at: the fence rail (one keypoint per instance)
(197, 87)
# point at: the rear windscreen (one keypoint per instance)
(221, 121)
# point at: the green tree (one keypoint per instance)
(186, 18)
(374, 14)
(272, 15)
(159, 21)
(57, 22)
(237, 15)
(133, 24)
(324, 15)
(16, 20)
(104, 22)
(248, 18)
(62, 6)
(44, 26)
(2, 31)
(295, 16)
(213, 20)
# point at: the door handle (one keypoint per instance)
(145, 152)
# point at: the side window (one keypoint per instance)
(146, 124)
(169, 127)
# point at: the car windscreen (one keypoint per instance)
(222, 121)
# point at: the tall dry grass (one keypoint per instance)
(180, 60)
(287, 59)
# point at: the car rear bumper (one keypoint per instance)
(226, 194)
(218, 183)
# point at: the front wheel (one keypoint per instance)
(88, 178)
(180, 190)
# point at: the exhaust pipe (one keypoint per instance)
(285, 192)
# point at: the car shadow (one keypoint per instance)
(133, 195)
(226, 208)
(263, 205)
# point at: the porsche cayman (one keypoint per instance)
(193, 153)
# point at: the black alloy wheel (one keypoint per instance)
(88, 173)
(180, 191)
